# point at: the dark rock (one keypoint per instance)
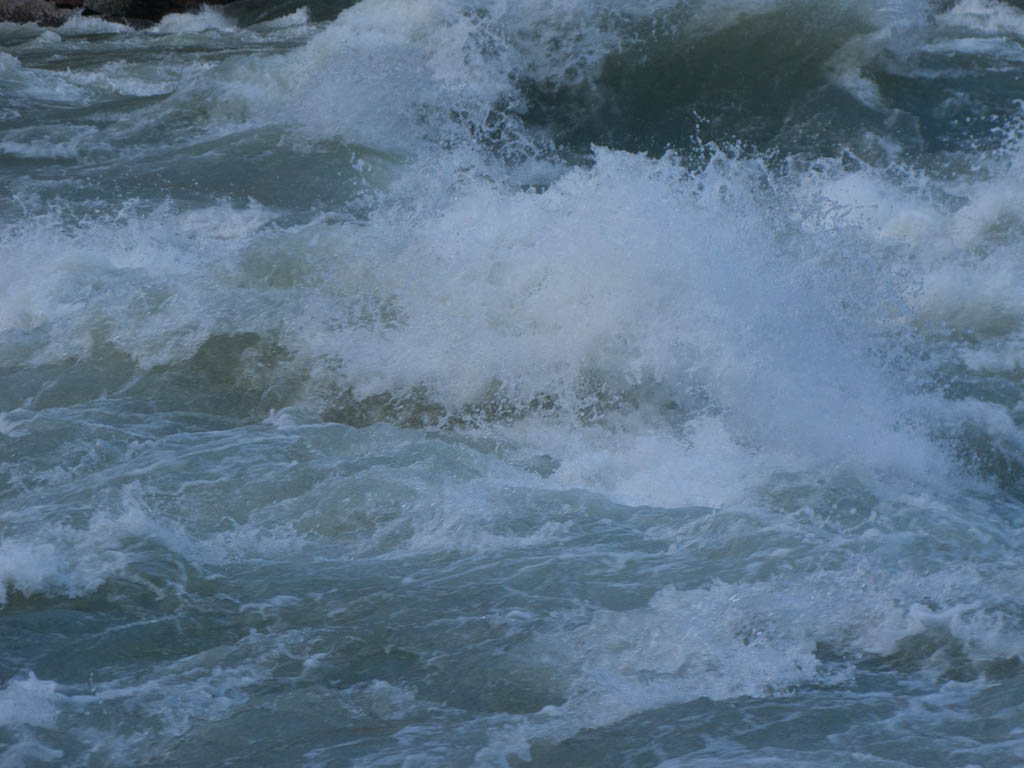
(52, 13)
(144, 10)
(42, 12)
(108, 9)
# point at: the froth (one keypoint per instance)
(714, 300)
(29, 701)
(986, 16)
(732, 640)
(621, 282)
(634, 284)
(452, 72)
(380, 76)
(77, 24)
(207, 19)
(68, 560)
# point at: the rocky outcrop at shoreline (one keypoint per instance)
(52, 13)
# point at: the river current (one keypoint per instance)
(483, 383)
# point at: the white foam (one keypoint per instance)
(701, 465)
(65, 560)
(62, 142)
(79, 25)
(225, 222)
(846, 68)
(391, 77)
(379, 76)
(297, 18)
(617, 282)
(631, 330)
(133, 79)
(759, 320)
(957, 260)
(9, 427)
(29, 701)
(61, 558)
(538, 292)
(47, 37)
(207, 19)
(39, 84)
(725, 641)
(988, 16)
(135, 253)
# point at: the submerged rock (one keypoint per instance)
(52, 13)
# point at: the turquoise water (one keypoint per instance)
(493, 384)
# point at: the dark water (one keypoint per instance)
(554, 383)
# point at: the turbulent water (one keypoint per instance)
(482, 383)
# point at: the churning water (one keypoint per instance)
(550, 382)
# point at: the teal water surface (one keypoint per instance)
(545, 383)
